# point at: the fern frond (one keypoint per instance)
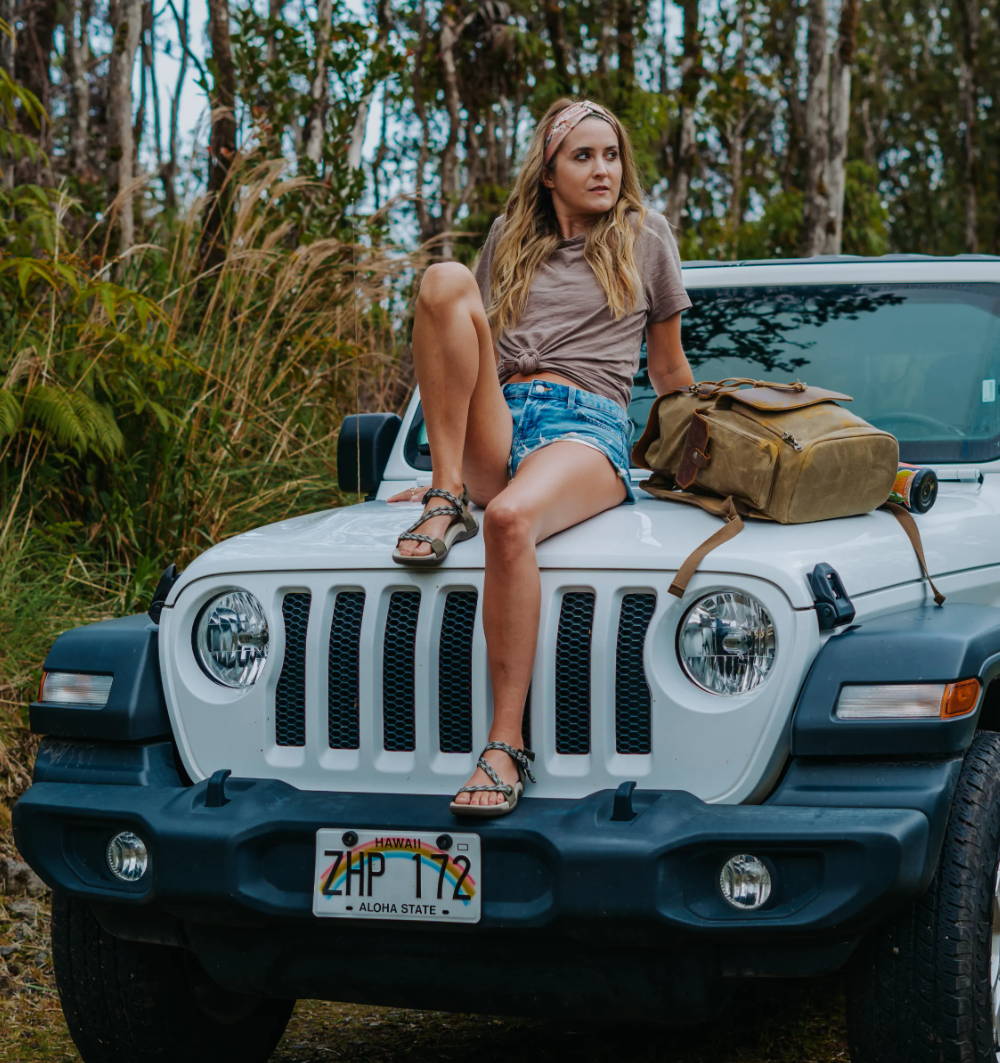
(10, 413)
(74, 420)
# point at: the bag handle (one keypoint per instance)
(708, 388)
(909, 525)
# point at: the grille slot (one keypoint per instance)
(290, 692)
(455, 672)
(345, 641)
(632, 708)
(572, 672)
(398, 662)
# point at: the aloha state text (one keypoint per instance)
(388, 908)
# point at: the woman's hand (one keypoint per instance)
(411, 494)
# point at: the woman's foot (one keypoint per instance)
(446, 521)
(434, 527)
(506, 769)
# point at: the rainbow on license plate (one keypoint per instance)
(389, 874)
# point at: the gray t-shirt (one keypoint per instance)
(567, 327)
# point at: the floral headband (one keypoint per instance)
(569, 118)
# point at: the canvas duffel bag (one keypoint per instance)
(784, 452)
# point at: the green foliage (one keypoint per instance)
(866, 228)
(275, 63)
(776, 233)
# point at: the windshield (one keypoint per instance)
(922, 361)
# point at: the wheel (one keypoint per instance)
(125, 1000)
(926, 989)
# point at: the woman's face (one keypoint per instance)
(586, 177)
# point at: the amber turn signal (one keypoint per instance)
(959, 698)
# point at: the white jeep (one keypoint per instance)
(242, 797)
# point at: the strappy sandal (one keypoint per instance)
(522, 758)
(463, 526)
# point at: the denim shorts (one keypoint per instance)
(544, 413)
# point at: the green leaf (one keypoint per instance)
(10, 413)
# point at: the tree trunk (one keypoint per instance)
(274, 14)
(77, 32)
(684, 153)
(556, 30)
(125, 17)
(605, 41)
(424, 219)
(383, 17)
(32, 56)
(382, 150)
(783, 31)
(969, 21)
(154, 91)
(183, 19)
(145, 57)
(448, 39)
(222, 137)
(736, 132)
(840, 113)
(318, 89)
(817, 193)
(626, 43)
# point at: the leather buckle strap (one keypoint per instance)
(909, 525)
(732, 528)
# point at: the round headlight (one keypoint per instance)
(726, 643)
(231, 639)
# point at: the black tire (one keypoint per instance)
(920, 990)
(151, 1003)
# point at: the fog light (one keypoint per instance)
(127, 856)
(745, 881)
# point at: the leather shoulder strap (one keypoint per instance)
(909, 525)
(725, 508)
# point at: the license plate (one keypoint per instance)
(386, 874)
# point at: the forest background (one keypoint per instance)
(185, 322)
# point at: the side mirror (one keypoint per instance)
(363, 449)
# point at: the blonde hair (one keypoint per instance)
(531, 233)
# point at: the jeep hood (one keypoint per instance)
(870, 552)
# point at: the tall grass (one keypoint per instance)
(146, 417)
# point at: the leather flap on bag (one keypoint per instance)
(696, 451)
(765, 398)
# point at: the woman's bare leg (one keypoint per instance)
(555, 487)
(468, 422)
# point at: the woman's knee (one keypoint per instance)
(445, 282)
(507, 526)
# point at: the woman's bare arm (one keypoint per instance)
(665, 358)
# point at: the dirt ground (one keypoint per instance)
(790, 1023)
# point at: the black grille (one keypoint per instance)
(345, 639)
(455, 672)
(631, 690)
(397, 671)
(572, 682)
(290, 693)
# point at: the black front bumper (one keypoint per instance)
(565, 883)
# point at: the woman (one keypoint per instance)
(569, 277)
